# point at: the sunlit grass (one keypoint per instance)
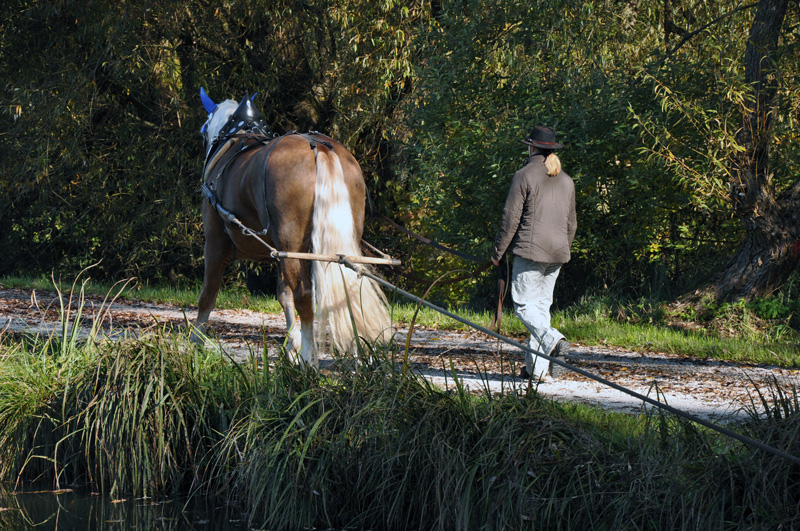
(232, 297)
(651, 338)
(597, 326)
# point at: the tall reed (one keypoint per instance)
(133, 416)
(379, 449)
(130, 417)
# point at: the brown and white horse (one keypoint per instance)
(302, 193)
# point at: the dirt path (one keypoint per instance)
(711, 389)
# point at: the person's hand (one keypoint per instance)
(495, 261)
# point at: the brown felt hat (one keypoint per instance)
(542, 137)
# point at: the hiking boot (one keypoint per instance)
(561, 350)
(525, 375)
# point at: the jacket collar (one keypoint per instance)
(530, 159)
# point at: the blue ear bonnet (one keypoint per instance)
(208, 103)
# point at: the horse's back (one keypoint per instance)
(273, 186)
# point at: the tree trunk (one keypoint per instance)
(767, 256)
(769, 252)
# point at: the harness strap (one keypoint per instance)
(314, 141)
(230, 217)
(210, 190)
(247, 147)
(264, 173)
(213, 200)
(215, 151)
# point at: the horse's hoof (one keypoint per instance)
(198, 337)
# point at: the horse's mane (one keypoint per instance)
(221, 115)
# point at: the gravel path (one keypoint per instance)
(715, 390)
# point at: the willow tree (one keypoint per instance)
(770, 217)
(736, 145)
(490, 70)
(100, 112)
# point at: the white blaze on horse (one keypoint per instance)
(299, 193)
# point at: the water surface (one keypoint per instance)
(72, 509)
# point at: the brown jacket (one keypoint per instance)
(539, 220)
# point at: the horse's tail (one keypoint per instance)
(352, 305)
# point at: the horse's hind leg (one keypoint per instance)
(297, 286)
(219, 253)
(305, 309)
(286, 298)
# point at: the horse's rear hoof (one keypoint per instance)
(198, 337)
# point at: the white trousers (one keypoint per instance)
(532, 285)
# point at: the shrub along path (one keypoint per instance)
(712, 389)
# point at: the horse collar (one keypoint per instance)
(246, 120)
(247, 123)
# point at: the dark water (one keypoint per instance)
(67, 510)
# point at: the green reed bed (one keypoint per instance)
(371, 447)
(376, 449)
(128, 417)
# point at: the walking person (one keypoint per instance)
(537, 227)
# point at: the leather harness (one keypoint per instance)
(254, 136)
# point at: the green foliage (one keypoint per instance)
(491, 72)
(99, 113)
(766, 319)
(100, 163)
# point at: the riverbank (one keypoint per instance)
(371, 447)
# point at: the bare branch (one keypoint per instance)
(687, 36)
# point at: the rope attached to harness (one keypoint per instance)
(231, 218)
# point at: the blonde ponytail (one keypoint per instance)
(553, 164)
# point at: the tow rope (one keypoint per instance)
(666, 407)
